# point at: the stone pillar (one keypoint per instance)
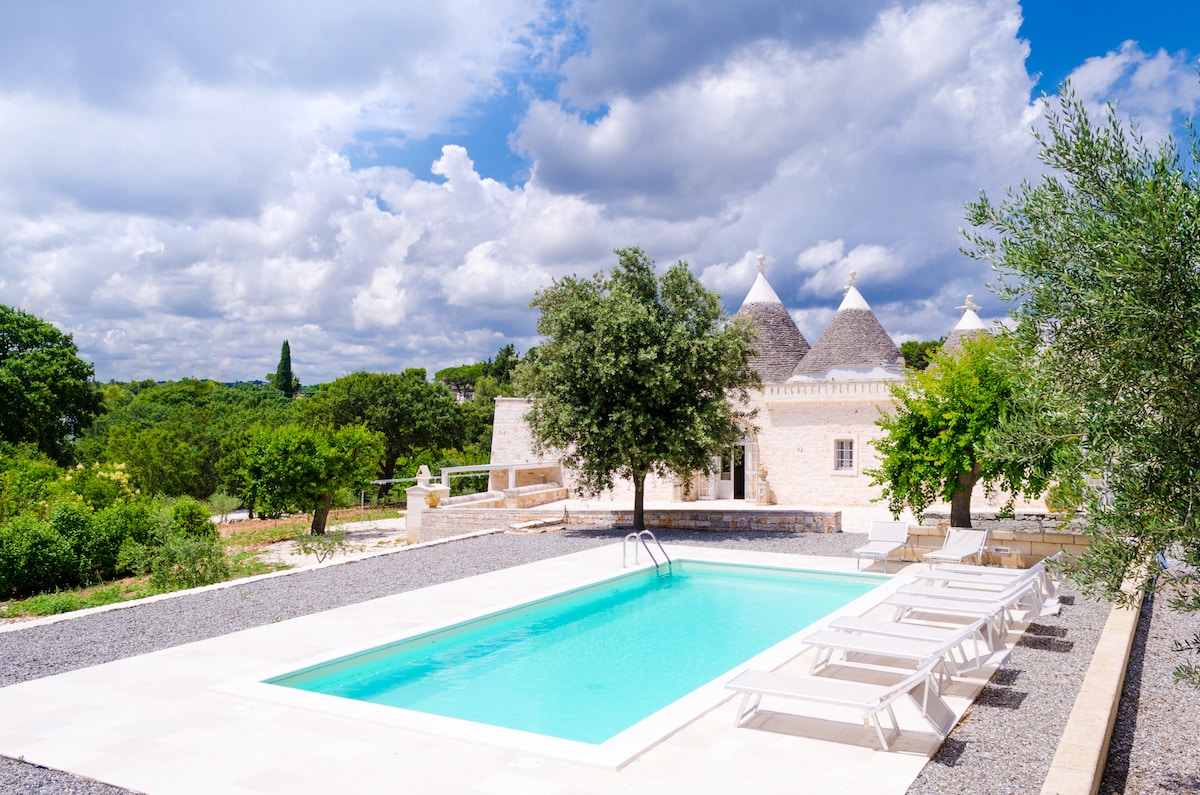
(418, 497)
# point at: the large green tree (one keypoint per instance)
(300, 468)
(936, 440)
(46, 395)
(637, 374)
(1101, 259)
(413, 415)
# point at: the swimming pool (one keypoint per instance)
(586, 665)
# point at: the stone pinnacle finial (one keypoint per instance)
(970, 305)
(853, 279)
(761, 260)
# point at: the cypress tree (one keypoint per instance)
(285, 380)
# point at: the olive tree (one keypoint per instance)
(637, 373)
(1101, 259)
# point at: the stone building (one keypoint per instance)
(809, 444)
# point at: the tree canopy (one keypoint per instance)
(1101, 259)
(181, 437)
(935, 443)
(46, 395)
(412, 415)
(637, 374)
(298, 468)
(918, 354)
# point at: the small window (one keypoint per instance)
(843, 455)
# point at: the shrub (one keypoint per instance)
(187, 561)
(28, 481)
(73, 523)
(134, 558)
(221, 504)
(323, 545)
(34, 557)
(189, 517)
(100, 485)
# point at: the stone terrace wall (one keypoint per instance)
(1019, 541)
(445, 522)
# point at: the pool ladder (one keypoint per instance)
(641, 537)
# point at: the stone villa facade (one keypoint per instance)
(811, 440)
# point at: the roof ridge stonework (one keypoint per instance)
(854, 338)
(780, 345)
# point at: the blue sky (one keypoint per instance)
(183, 186)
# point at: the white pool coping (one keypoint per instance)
(195, 719)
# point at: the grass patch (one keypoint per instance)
(261, 532)
(50, 604)
(246, 563)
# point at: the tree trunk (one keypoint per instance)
(639, 501)
(389, 472)
(960, 500)
(321, 515)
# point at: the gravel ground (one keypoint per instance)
(1007, 739)
(1003, 745)
(1154, 745)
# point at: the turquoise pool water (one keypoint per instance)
(589, 664)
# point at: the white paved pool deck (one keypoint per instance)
(189, 719)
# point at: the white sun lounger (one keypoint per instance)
(995, 612)
(966, 574)
(870, 699)
(970, 568)
(1033, 583)
(883, 538)
(961, 543)
(970, 636)
(907, 649)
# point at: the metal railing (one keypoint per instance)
(637, 538)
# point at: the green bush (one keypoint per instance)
(189, 517)
(100, 485)
(134, 558)
(222, 504)
(137, 519)
(323, 545)
(28, 481)
(187, 561)
(34, 557)
(73, 523)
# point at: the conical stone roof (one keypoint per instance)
(969, 325)
(780, 345)
(854, 340)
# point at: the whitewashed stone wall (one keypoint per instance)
(797, 426)
(512, 443)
